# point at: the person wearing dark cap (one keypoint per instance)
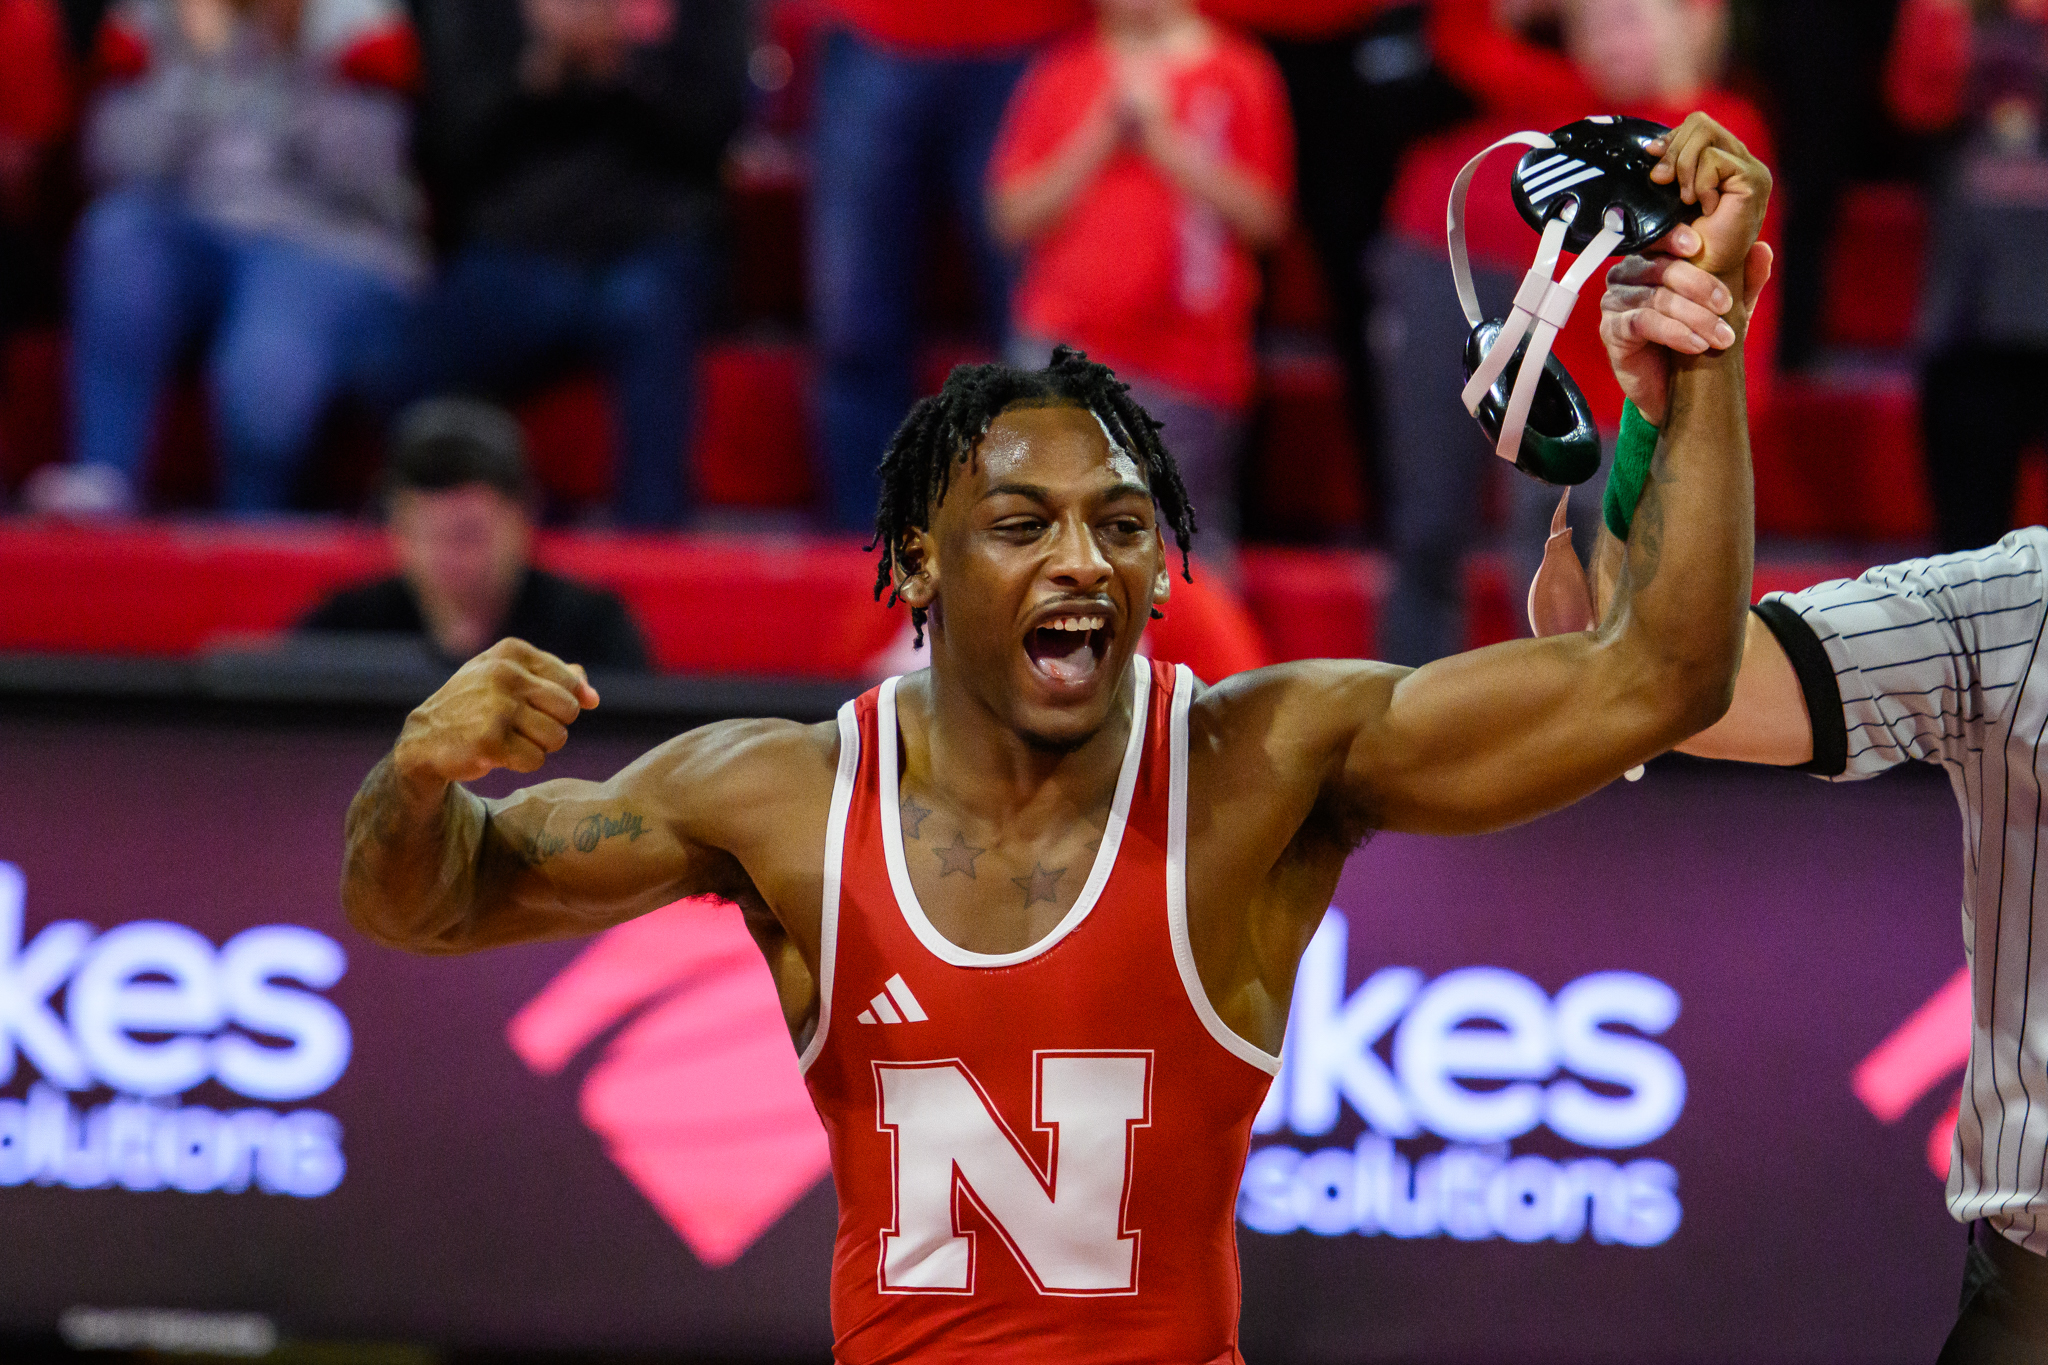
(460, 513)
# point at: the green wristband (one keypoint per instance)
(1633, 451)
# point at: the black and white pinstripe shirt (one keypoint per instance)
(1941, 660)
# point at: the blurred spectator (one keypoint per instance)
(1361, 85)
(460, 506)
(251, 157)
(35, 114)
(1982, 75)
(1821, 60)
(1140, 167)
(581, 141)
(1653, 58)
(909, 96)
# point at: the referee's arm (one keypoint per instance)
(1909, 661)
(1771, 719)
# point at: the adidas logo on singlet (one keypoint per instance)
(893, 1004)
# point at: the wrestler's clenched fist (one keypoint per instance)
(509, 707)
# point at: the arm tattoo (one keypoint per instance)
(538, 848)
(591, 830)
(1041, 885)
(958, 858)
(1646, 532)
(383, 807)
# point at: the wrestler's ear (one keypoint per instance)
(916, 571)
(1162, 581)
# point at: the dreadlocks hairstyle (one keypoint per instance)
(942, 431)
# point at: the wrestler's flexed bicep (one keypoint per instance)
(569, 857)
(432, 867)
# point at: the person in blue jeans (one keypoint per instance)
(256, 195)
(507, 318)
(580, 142)
(909, 96)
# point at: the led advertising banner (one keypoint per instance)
(1667, 1077)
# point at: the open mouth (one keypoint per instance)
(1068, 649)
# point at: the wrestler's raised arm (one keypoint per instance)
(1655, 307)
(1499, 735)
(432, 867)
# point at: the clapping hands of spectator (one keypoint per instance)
(572, 38)
(1144, 114)
(1198, 168)
(1136, 110)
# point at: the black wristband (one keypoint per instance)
(1817, 682)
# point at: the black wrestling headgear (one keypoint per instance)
(1585, 188)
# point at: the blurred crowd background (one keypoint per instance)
(705, 253)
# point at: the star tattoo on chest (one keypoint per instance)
(959, 857)
(913, 816)
(1041, 885)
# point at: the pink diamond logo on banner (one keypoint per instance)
(697, 1095)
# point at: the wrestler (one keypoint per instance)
(1034, 912)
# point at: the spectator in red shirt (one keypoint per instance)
(1982, 78)
(1141, 167)
(1652, 58)
(909, 94)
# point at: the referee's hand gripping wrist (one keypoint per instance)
(1660, 307)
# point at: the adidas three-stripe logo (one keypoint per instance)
(1554, 175)
(893, 1004)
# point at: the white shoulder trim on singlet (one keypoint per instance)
(835, 854)
(944, 948)
(1177, 884)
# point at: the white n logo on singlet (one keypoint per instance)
(1065, 1225)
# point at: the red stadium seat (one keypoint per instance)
(31, 404)
(1840, 458)
(1874, 267)
(1305, 476)
(1314, 604)
(791, 606)
(1295, 297)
